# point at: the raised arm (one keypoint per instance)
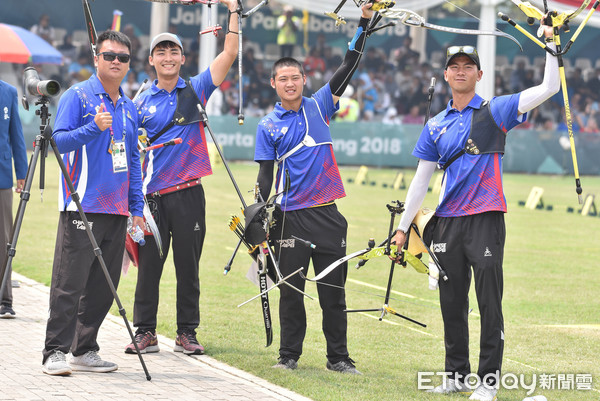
(341, 77)
(534, 96)
(223, 62)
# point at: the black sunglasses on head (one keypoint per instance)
(110, 56)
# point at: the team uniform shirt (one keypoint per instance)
(86, 154)
(173, 165)
(314, 175)
(12, 142)
(473, 183)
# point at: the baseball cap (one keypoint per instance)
(468, 51)
(165, 37)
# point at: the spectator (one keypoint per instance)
(392, 117)
(81, 69)
(288, 26)
(517, 77)
(414, 116)
(593, 85)
(406, 56)
(131, 84)
(500, 86)
(68, 49)
(368, 96)
(314, 68)
(43, 29)
(349, 107)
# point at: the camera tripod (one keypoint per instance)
(41, 146)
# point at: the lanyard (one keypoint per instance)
(112, 133)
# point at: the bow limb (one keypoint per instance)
(583, 6)
(410, 18)
(89, 26)
(337, 263)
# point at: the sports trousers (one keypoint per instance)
(326, 228)
(462, 243)
(80, 296)
(180, 216)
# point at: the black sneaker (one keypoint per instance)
(286, 363)
(7, 312)
(345, 366)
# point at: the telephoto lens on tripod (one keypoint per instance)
(36, 87)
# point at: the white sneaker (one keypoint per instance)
(450, 386)
(56, 365)
(91, 362)
(484, 393)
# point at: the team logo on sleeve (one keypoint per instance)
(152, 109)
(284, 130)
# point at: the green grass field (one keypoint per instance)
(551, 300)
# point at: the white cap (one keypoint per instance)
(348, 92)
(165, 37)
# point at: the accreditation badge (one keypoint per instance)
(119, 156)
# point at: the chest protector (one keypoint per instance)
(485, 136)
(320, 134)
(186, 112)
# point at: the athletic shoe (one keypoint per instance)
(91, 362)
(450, 386)
(7, 312)
(345, 366)
(56, 365)
(484, 393)
(286, 363)
(146, 342)
(186, 342)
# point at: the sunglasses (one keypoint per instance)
(452, 50)
(110, 56)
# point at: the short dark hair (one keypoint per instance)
(286, 62)
(114, 36)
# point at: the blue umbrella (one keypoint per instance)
(20, 46)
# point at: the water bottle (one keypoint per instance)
(536, 398)
(136, 233)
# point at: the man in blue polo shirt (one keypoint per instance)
(467, 141)
(172, 183)
(94, 121)
(296, 135)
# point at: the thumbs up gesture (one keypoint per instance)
(103, 119)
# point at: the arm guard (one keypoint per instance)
(341, 77)
(533, 97)
(265, 178)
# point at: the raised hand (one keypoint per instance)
(103, 119)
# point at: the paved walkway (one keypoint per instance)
(174, 376)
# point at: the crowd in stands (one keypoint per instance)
(391, 87)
